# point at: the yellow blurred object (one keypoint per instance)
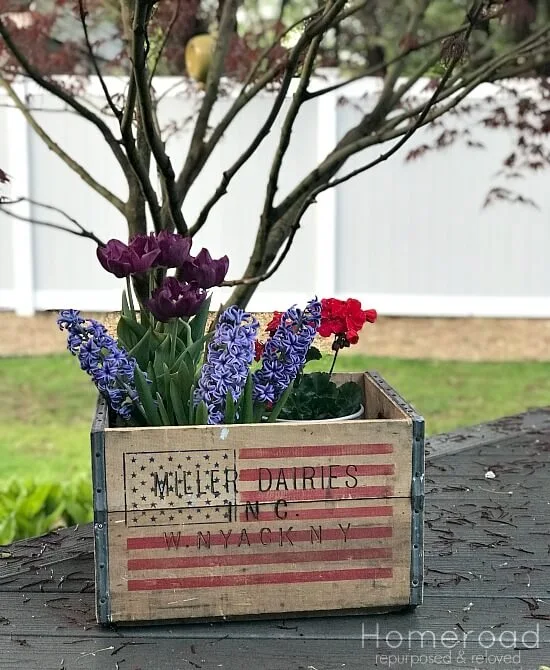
(198, 56)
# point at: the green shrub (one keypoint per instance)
(29, 508)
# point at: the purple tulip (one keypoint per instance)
(174, 249)
(115, 257)
(204, 270)
(174, 299)
(145, 250)
(123, 260)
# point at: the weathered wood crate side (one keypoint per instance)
(205, 522)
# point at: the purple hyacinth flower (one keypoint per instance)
(110, 367)
(174, 299)
(204, 270)
(230, 354)
(285, 352)
(174, 249)
(69, 318)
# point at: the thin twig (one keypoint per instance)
(53, 146)
(247, 281)
(81, 232)
(68, 99)
(83, 14)
(156, 145)
(167, 33)
(265, 53)
(297, 100)
(369, 72)
(213, 79)
(307, 201)
(243, 98)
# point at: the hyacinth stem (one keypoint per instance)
(130, 296)
(333, 363)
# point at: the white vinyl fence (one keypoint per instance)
(408, 238)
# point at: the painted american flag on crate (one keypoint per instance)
(273, 515)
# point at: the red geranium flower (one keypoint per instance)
(258, 350)
(274, 323)
(344, 319)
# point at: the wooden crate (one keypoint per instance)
(203, 522)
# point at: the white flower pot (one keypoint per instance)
(349, 417)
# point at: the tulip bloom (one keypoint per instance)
(204, 270)
(123, 260)
(174, 249)
(174, 299)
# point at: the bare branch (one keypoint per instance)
(298, 99)
(81, 232)
(58, 92)
(381, 67)
(282, 228)
(466, 82)
(140, 185)
(146, 109)
(165, 39)
(83, 14)
(245, 97)
(215, 72)
(250, 281)
(265, 53)
(53, 146)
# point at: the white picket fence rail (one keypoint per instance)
(406, 238)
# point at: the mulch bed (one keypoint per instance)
(443, 339)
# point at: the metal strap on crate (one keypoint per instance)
(417, 489)
(101, 548)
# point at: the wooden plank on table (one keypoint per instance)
(71, 616)
(526, 425)
(357, 653)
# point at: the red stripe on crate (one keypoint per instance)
(320, 513)
(181, 562)
(324, 450)
(358, 492)
(253, 474)
(257, 579)
(217, 539)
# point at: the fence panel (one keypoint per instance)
(410, 238)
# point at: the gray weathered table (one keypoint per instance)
(487, 596)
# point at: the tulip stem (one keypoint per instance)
(130, 296)
(174, 338)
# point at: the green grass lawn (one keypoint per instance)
(47, 403)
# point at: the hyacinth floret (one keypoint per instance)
(110, 366)
(229, 355)
(285, 351)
